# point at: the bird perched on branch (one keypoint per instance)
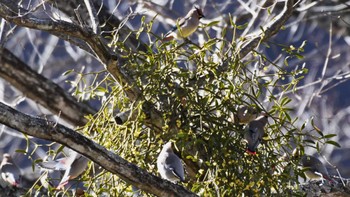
(315, 170)
(73, 165)
(254, 133)
(244, 114)
(49, 177)
(10, 173)
(169, 165)
(185, 26)
(313, 167)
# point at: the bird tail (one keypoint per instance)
(52, 165)
(62, 184)
(167, 38)
(251, 152)
(329, 179)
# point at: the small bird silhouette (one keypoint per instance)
(10, 173)
(169, 165)
(185, 26)
(73, 165)
(49, 177)
(244, 114)
(254, 133)
(312, 166)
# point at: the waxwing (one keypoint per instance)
(77, 168)
(10, 173)
(312, 166)
(187, 25)
(49, 177)
(254, 133)
(244, 114)
(315, 169)
(169, 164)
(73, 165)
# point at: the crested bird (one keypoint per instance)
(185, 26)
(254, 133)
(49, 177)
(314, 168)
(10, 173)
(77, 168)
(169, 164)
(244, 114)
(73, 165)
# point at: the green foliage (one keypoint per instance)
(197, 106)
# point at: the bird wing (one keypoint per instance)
(314, 165)
(253, 136)
(179, 22)
(9, 167)
(78, 166)
(256, 137)
(10, 173)
(59, 164)
(173, 163)
(74, 170)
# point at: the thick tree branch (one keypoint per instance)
(42, 90)
(52, 131)
(80, 34)
(59, 27)
(67, 30)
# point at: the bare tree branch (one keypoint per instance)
(93, 16)
(268, 30)
(66, 30)
(108, 21)
(42, 90)
(55, 132)
(59, 27)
